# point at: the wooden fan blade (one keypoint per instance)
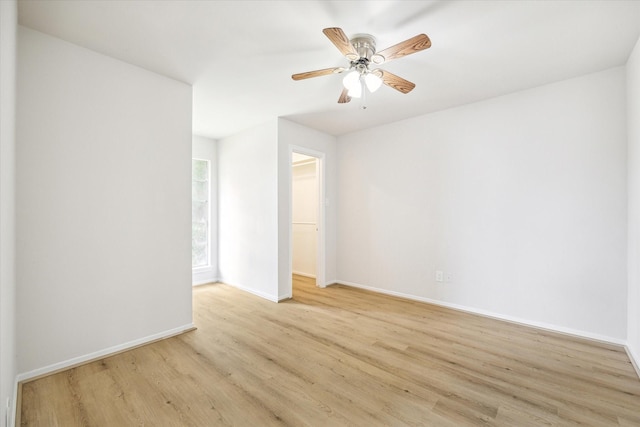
(317, 73)
(407, 47)
(344, 97)
(393, 81)
(342, 42)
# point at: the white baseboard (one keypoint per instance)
(47, 370)
(14, 405)
(272, 298)
(486, 313)
(300, 273)
(284, 297)
(205, 282)
(635, 360)
(202, 276)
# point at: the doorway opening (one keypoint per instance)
(307, 258)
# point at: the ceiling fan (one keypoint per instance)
(361, 53)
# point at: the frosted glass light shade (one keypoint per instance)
(356, 91)
(373, 82)
(351, 80)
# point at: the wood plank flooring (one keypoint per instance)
(343, 357)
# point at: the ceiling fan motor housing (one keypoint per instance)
(365, 46)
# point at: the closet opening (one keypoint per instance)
(307, 216)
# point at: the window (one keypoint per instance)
(199, 213)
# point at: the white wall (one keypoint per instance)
(206, 149)
(8, 28)
(633, 129)
(304, 210)
(103, 204)
(522, 198)
(292, 134)
(248, 210)
(254, 169)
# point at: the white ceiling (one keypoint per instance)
(239, 55)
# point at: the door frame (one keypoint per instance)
(321, 215)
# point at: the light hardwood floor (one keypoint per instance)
(343, 357)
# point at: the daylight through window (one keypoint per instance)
(199, 213)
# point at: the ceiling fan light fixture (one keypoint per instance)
(373, 82)
(352, 80)
(356, 90)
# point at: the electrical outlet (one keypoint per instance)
(439, 276)
(448, 277)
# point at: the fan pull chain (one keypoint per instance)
(363, 98)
